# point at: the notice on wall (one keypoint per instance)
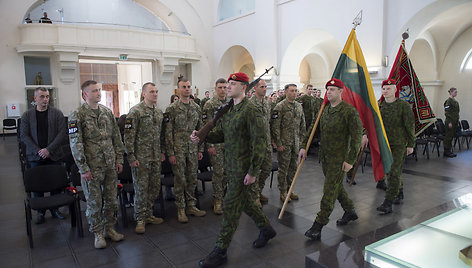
(13, 110)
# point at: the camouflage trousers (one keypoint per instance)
(394, 182)
(287, 167)
(185, 179)
(450, 133)
(263, 174)
(101, 195)
(218, 179)
(333, 190)
(147, 183)
(238, 199)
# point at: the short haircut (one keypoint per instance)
(220, 81)
(289, 85)
(452, 89)
(146, 84)
(43, 89)
(307, 86)
(183, 79)
(87, 83)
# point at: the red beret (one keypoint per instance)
(241, 77)
(335, 82)
(389, 82)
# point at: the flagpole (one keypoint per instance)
(357, 20)
(301, 161)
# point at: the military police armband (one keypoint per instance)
(73, 127)
(275, 114)
(204, 115)
(166, 118)
(128, 124)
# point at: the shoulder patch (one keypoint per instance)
(166, 118)
(204, 115)
(275, 114)
(128, 123)
(73, 127)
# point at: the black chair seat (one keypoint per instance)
(168, 181)
(205, 176)
(275, 166)
(58, 200)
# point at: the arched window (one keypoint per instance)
(467, 62)
(113, 13)
(231, 8)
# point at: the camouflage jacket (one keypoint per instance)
(180, 120)
(340, 133)
(209, 110)
(95, 140)
(451, 110)
(309, 105)
(203, 101)
(244, 137)
(399, 123)
(265, 109)
(288, 124)
(144, 137)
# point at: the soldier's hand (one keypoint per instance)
(365, 141)
(409, 150)
(119, 168)
(134, 164)
(194, 137)
(280, 149)
(212, 151)
(346, 167)
(87, 176)
(172, 160)
(200, 156)
(301, 155)
(248, 180)
(43, 153)
(163, 157)
(450, 125)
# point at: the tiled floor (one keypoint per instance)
(428, 185)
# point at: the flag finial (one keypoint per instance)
(357, 20)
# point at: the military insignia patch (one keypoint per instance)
(166, 118)
(332, 82)
(233, 77)
(204, 115)
(73, 127)
(128, 124)
(275, 114)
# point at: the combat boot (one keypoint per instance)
(113, 235)
(265, 235)
(449, 154)
(399, 198)
(216, 258)
(263, 199)
(348, 216)
(100, 241)
(258, 202)
(283, 196)
(140, 227)
(381, 185)
(294, 196)
(154, 220)
(386, 207)
(181, 216)
(217, 207)
(194, 211)
(314, 233)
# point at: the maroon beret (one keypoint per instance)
(389, 82)
(335, 82)
(241, 77)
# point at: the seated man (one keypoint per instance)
(43, 131)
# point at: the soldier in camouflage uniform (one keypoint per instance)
(204, 100)
(95, 142)
(451, 110)
(143, 140)
(181, 118)
(399, 123)
(288, 131)
(216, 150)
(245, 146)
(258, 99)
(341, 134)
(308, 103)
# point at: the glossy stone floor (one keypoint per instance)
(430, 185)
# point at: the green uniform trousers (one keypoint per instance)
(147, 183)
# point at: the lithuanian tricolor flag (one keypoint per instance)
(352, 70)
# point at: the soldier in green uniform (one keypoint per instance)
(245, 146)
(204, 100)
(216, 150)
(308, 103)
(288, 130)
(181, 118)
(451, 110)
(341, 133)
(399, 123)
(258, 99)
(144, 146)
(96, 145)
